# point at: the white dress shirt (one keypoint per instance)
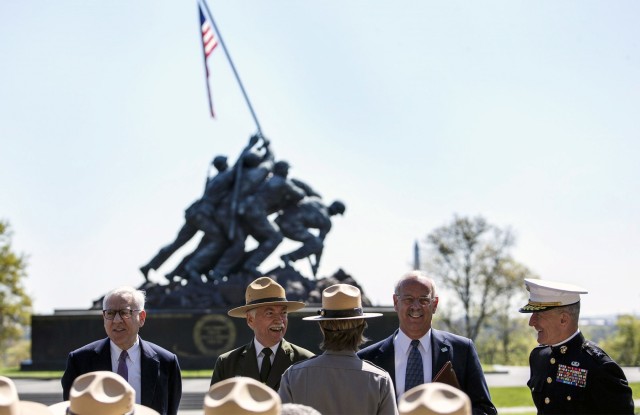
(402, 347)
(134, 366)
(259, 354)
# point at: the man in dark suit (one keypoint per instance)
(152, 371)
(268, 355)
(415, 302)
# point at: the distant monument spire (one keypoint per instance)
(416, 255)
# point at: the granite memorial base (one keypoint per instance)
(197, 337)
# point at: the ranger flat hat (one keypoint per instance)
(545, 295)
(434, 399)
(101, 393)
(10, 404)
(241, 396)
(261, 292)
(341, 302)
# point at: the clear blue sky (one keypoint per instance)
(410, 112)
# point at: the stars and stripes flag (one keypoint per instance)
(209, 43)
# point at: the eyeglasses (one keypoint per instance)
(423, 301)
(125, 313)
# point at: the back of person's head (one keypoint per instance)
(281, 168)
(241, 396)
(220, 163)
(434, 398)
(298, 409)
(343, 334)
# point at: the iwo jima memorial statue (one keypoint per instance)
(254, 199)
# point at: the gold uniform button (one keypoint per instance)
(569, 397)
(553, 360)
(549, 380)
(547, 400)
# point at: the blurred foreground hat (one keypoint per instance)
(241, 396)
(545, 295)
(261, 292)
(10, 404)
(341, 302)
(434, 399)
(101, 393)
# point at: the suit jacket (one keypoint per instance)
(444, 347)
(243, 362)
(160, 373)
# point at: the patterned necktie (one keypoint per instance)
(122, 365)
(415, 374)
(266, 364)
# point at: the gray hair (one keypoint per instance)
(138, 296)
(416, 275)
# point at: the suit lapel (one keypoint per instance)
(103, 356)
(284, 359)
(150, 370)
(440, 351)
(388, 357)
(248, 362)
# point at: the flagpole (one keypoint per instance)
(233, 68)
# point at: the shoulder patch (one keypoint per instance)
(595, 351)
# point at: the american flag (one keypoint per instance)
(209, 43)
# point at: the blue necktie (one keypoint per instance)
(122, 365)
(415, 374)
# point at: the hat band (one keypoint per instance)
(73, 413)
(266, 300)
(354, 312)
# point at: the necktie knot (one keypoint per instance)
(267, 351)
(415, 343)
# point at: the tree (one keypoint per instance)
(15, 304)
(624, 346)
(472, 258)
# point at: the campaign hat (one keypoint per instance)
(434, 398)
(261, 292)
(545, 295)
(341, 302)
(101, 393)
(241, 395)
(10, 403)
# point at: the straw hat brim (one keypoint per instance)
(364, 315)
(33, 408)
(241, 312)
(60, 408)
